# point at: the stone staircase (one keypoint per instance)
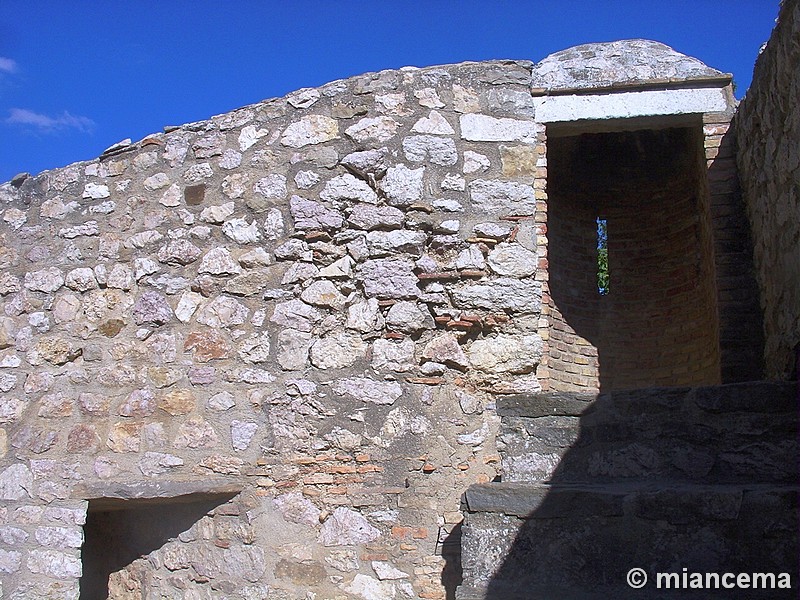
(662, 479)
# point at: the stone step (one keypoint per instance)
(583, 538)
(508, 591)
(731, 433)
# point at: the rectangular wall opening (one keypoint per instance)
(631, 262)
(119, 531)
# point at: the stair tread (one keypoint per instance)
(607, 499)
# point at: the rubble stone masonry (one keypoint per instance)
(768, 127)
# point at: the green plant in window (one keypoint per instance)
(602, 257)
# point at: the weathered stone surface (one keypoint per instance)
(337, 350)
(16, 483)
(402, 186)
(503, 293)
(367, 161)
(83, 438)
(196, 433)
(408, 316)
(296, 508)
(434, 124)
(124, 437)
(369, 588)
(310, 130)
(386, 571)
(347, 187)
(219, 261)
(496, 195)
(223, 311)
(483, 128)
(296, 314)
(81, 279)
(255, 349)
(513, 260)
(308, 214)
(180, 252)
(389, 278)
(242, 433)
(382, 243)
(177, 402)
(393, 356)
(439, 151)
(241, 232)
(506, 353)
(367, 216)
(324, 293)
(346, 527)
(362, 316)
(271, 187)
(445, 348)
(207, 345)
(140, 403)
(250, 283)
(378, 129)
(470, 258)
(368, 390)
(519, 161)
(47, 280)
(151, 308)
(616, 64)
(153, 464)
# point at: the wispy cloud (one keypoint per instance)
(7, 65)
(48, 124)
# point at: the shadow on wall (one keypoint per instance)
(663, 479)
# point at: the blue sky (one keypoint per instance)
(77, 76)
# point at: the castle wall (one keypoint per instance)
(308, 301)
(768, 129)
(302, 312)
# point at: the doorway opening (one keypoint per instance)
(631, 260)
(119, 531)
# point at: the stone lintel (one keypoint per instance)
(110, 494)
(630, 104)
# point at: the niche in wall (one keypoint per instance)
(118, 531)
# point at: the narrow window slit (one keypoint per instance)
(602, 257)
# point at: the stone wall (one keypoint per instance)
(302, 312)
(768, 130)
(307, 300)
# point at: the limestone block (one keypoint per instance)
(346, 527)
(439, 151)
(504, 293)
(512, 260)
(337, 350)
(506, 353)
(368, 216)
(402, 186)
(492, 196)
(310, 130)
(368, 390)
(308, 214)
(379, 129)
(348, 187)
(483, 128)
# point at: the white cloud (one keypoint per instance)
(7, 65)
(46, 124)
